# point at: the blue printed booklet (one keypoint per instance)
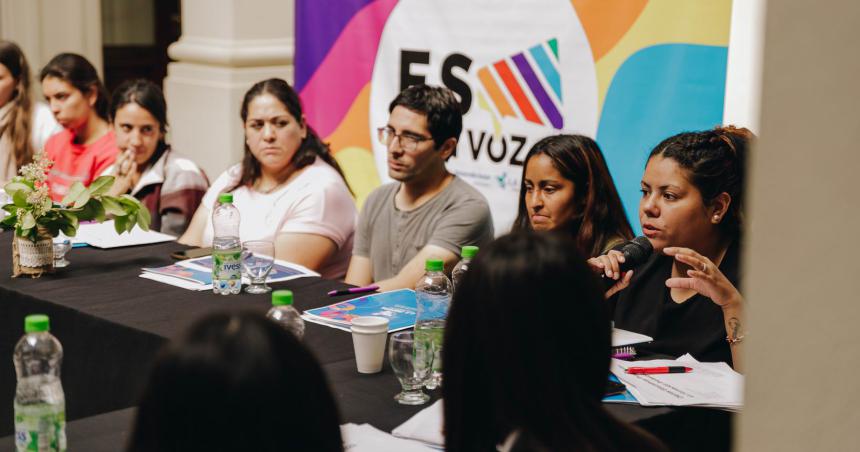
(196, 274)
(398, 305)
(625, 397)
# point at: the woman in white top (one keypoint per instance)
(24, 125)
(288, 188)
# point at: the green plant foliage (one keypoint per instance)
(31, 208)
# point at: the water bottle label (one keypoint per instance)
(227, 269)
(40, 428)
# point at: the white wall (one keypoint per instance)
(743, 74)
(803, 348)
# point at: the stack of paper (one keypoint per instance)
(714, 385)
(196, 274)
(366, 438)
(103, 235)
(426, 427)
(397, 305)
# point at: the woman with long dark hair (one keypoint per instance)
(79, 102)
(169, 185)
(526, 353)
(566, 186)
(24, 125)
(686, 296)
(288, 188)
(236, 381)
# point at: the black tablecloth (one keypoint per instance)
(111, 323)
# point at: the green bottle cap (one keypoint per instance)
(434, 265)
(282, 297)
(469, 251)
(36, 323)
(225, 198)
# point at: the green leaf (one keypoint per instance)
(77, 189)
(120, 224)
(11, 208)
(112, 206)
(28, 221)
(13, 187)
(144, 219)
(92, 210)
(101, 185)
(19, 198)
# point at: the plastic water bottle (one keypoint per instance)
(467, 253)
(40, 406)
(284, 314)
(433, 296)
(226, 248)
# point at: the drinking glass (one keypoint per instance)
(258, 257)
(62, 245)
(411, 365)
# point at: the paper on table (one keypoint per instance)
(196, 274)
(623, 337)
(366, 438)
(713, 385)
(426, 426)
(103, 235)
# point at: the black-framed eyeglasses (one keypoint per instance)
(408, 142)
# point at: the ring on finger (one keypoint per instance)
(704, 267)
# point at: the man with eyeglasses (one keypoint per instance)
(427, 213)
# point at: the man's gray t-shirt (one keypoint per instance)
(456, 216)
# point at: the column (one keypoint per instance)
(44, 28)
(226, 46)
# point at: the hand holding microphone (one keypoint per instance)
(615, 267)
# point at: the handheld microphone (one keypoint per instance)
(635, 252)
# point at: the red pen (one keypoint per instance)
(658, 370)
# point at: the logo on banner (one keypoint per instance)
(535, 72)
(510, 71)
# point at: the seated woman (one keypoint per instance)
(236, 381)
(24, 125)
(686, 295)
(288, 188)
(169, 185)
(526, 354)
(79, 102)
(566, 186)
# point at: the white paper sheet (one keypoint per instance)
(714, 385)
(426, 426)
(623, 337)
(103, 235)
(366, 438)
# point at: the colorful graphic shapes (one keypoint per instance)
(662, 22)
(537, 90)
(495, 93)
(516, 92)
(346, 69)
(547, 68)
(321, 23)
(606, 21)
(684, 83)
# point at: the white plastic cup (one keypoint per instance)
(368, 337)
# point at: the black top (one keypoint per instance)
(695, 326)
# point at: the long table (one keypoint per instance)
(112, 323)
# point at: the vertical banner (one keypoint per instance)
(625, 72)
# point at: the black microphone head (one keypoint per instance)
(636, 252)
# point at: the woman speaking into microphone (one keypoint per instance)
(686, 295)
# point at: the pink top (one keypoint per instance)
(317, 202)
(77, 162)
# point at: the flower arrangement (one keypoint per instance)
(34, 217)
